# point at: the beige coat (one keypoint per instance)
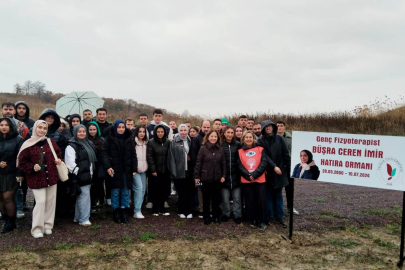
(140, 150)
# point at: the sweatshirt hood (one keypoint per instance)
(155, 137)
(27, 113)
(265, 123)
(56, 122)
(13, 128)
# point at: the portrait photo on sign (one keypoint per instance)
(307, 168)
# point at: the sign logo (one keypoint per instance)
(390, 170)
(250, 154)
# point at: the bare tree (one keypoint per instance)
(28, 87)
(18, 89)
(39, 89)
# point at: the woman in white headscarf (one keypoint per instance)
(36, 160)
(178, 163)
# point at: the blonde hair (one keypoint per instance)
(242, 140)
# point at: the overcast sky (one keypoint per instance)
(209, 57)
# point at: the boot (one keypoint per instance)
(124, 215)
(3, 228)
(9, 225)
(117, 215)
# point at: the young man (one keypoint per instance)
(87, 117)
(102, 120)
(242, 121)
(196, 144)
(173, 126)
(276, 178)
(217, 125)
(250, 123)
(158, 119)
(188, 124)
(224, 123)
(23, 114)
(288, 140)
(143, 119)
(257, 130)
(130, 124)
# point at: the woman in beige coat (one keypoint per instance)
(139, 180)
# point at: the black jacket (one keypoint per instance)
(53, 131)
(176, 161)
(211, 163)
(103, 128)
(196, 144)
(9, 148)
(27, 120)
(152, 127)
(232, 179)
(82, 161)
(68, 132)
(277, 153)
(157, 152)
(121, 159)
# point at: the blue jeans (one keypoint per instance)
(82, 208)
(138, 189)
(120, 195)
(19, 199)
(275, 203)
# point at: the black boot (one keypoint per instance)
(124, 215)
(9, 225)
(117, 215)
(3, 228)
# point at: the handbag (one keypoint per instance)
(63, 172)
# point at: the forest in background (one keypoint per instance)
(382, 117)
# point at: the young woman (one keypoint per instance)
(159, 180)
(36, 160)
(179, 164)
(307, 168)
(74, 120)
(238, 133)
(192, 132)
(252, 165)
(119, 159)
(210, 169)
(232, 179)
(139, 182)
(80, 158)
(97, 186)
(10, 144)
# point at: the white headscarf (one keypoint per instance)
(35, 138)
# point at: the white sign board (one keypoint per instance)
(351, 159)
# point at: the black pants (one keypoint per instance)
(97, 191)
(185, 191)
(211, 192)
(159, 185)
(255, 201)
(289, 193)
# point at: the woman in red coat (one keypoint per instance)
(252, 165)
(36, 160)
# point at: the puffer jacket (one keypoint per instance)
(9, 148)
(277, 155)
(176, 161)
(157, 152)
(53, 131)
(34, 155)
(211, 163)
(121, 159)
(29, 122)
(232, 179)
(84, 176)
(141, 150)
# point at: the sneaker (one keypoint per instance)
(138, 215)
(155, 214)
(182, 216)
(48, 232)
(174, 193)
(262, 226)
(167, 205)
(85, 224)
(149, 205)
(20, 214)
(166, 214)
(37, 235)
(253, 224)
(295, 212)
(108, 202)
(200, 215)
(238, 220)
(281, 222)
(190, 216)
(75, 221)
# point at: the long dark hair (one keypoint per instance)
(136, 132)
(219, 141)
(223, 133)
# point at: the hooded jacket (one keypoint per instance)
(176, 161)
(9, 148)
(277, 156)
(68, 132)
(29, 122)
(232, 179)
(122, 161)
(157, 152)
(53, 130)
(151, 128)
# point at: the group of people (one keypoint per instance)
(121, 163)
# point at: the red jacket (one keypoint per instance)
(31, 156)
(252, 162)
